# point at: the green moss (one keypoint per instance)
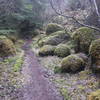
(83, 38)
(94, 95)
(72, 63)
(46, 50)
(6, 47)
(57, 70)
(53, 27)
(95, 54)
(54, 39)
(71, 44)
(64, 93)
(83, 56)
(62, 50)
(95, 49)
(18, 63)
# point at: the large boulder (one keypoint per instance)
(95, 55)
(53, 27)
(46, 50)
(94, 95)
(72, 63)
(83, 38)
(55, 39)
(62, 50)
(6, 47)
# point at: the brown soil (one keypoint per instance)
(36, 86)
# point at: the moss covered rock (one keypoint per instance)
(94, 95)
(83, 56)
(95, 55)
(11, 34)
(6, 47)
(62, 50)
(72, 63)
(83, 38)
(46, 50)
(53, 27)
(55, 39)
(12, 38)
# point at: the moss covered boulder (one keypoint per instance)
(11, 34)
(62, 50)
(83, 56)
(6, 47)
(46, 50)
(94, 95)
(53, 27)
(83, 38)
(72, 63)
(54, 39)
(95, 55)
(13, 38)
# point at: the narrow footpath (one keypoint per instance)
(36, 85)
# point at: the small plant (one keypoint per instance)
(18, 63)
(57, 70)
(64, 93)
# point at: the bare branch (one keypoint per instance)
(72, 17)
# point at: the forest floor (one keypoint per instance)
(71, 86)
(36, 84)
(35, 79)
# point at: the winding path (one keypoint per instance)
(36, 85)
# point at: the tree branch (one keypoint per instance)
(73, 18)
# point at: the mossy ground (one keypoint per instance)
(10, 76)
(72, 86)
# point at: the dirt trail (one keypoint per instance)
(36, 85)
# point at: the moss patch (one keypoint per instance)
(95, 55)
(62, 50)
(46, 50)
(53, 27)
(54, 39)
(6, 47)
(94, 95)
(64, 92)
(18, 63)
(72, 63)
(83, 38)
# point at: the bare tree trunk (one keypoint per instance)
(98, 4)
